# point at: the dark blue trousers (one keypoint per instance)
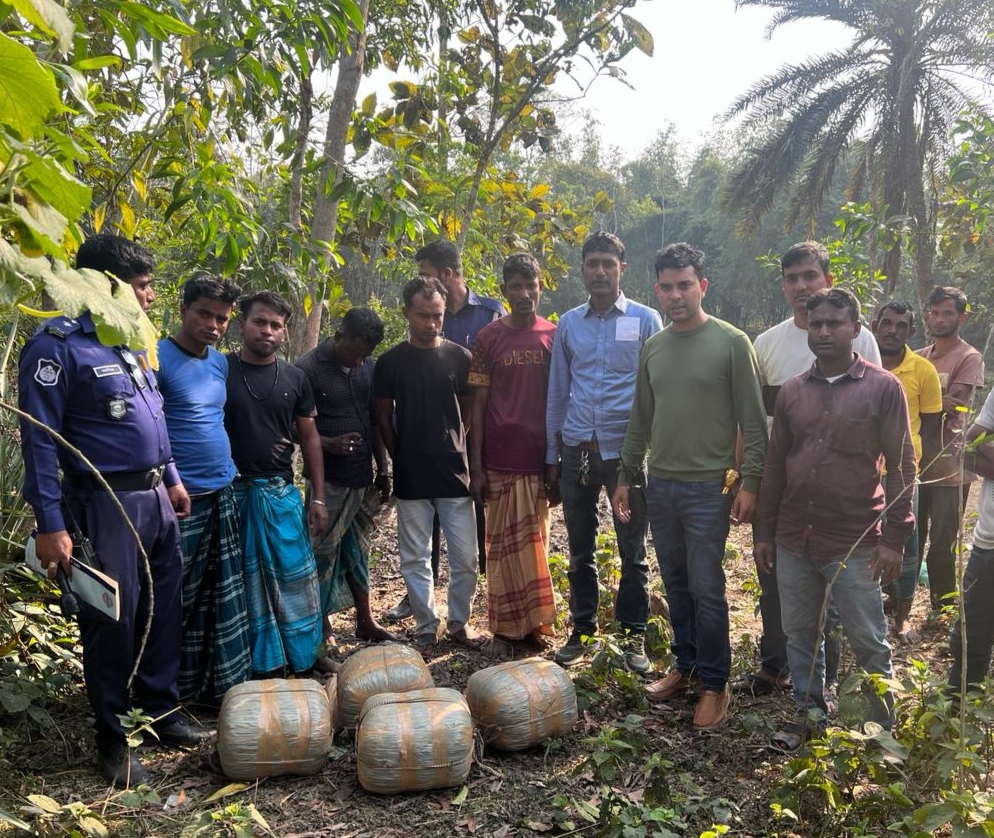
(110, 648)
(978, 593)
(580, 507)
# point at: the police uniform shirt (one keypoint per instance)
(463, 326)
(104, 400)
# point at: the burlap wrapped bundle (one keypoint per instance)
(384, 668)
(519, 703)
(275, 727)
(331, 690)
(414, 741)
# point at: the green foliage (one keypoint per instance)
(928, 774)
(971, 186)
(74, 820)
(38, 656)
(882, 108)
(236, 820)
(862, 237)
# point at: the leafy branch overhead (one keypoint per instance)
(494, 84)
(883, 109)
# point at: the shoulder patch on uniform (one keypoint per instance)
(48, 372)
(62, 328)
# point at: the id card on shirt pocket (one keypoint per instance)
(628, 329)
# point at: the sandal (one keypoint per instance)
(792, 737)
(760, 683)
(469, 638)
(426, 646)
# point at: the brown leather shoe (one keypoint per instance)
(672, 683)
(712, 709)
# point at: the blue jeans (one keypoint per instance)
(689, 528)
(978, 594)
(773, 643)
(857, 598)
(580, 513)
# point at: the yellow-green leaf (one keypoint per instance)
(228, 790)
(641, 35)
(45, 803)
(50, 180)
(116, 312)
(27, 88)
(40, 227)
(126, 226)
(50, 18)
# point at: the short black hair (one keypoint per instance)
(806, 250)
(442, 254)
(270, 299)
(364, 324)
(838, 297)
(115, 255)
(210, 287)
(680, 255)
(601, 241)
(521, 264)
(427, 285)
(947, 292)
(898, 307)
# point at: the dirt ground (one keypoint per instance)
(727, 775)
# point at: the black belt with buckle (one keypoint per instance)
(122, 481)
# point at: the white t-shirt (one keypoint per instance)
(782, 352)
(983, 533)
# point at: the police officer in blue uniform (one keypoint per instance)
(466, 312)
(104, 400)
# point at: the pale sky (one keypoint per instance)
(706, 53)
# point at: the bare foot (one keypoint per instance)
(499, 648)
(906, 636)
(374, 631)
(536, 641)
(468, 637)
(327, 665)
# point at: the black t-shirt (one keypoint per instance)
(344, 405)
(425, 385)
(263, 402)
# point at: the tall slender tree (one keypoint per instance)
(884, 107)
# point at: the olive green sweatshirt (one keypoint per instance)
(694, 391)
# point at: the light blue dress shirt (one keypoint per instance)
(592, 376)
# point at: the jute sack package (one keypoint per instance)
(414, 741)
(520, 703)
(384, 668)
(274, 727)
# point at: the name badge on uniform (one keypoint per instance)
(117, 408)
(129, 358)
(629, 328)
(108, 370)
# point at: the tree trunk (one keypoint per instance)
(300, 152)
(325, 221)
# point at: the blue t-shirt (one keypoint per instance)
(194, 391)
